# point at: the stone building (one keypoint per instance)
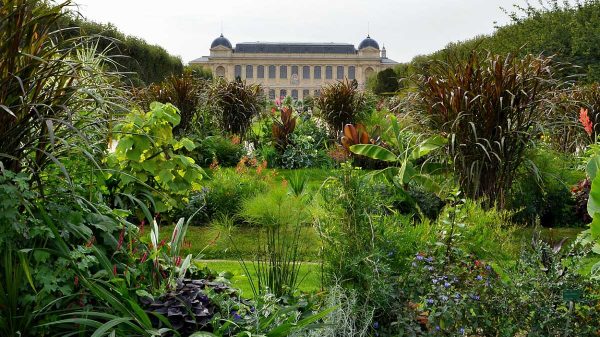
(295, 69)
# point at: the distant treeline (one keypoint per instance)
(141, 62)
(553, 27)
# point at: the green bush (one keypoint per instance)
(542, 189)
(224, 195)
(149, 161)
(459, 294)
(268, 153)
(141, 62)
(219, 148)
(303, 152)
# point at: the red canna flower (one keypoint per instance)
(178, 261)
(121, 238)
(115, 270)
(144, 257)
(584, 118)
(76, 281)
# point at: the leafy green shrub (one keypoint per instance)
(148, 159)
(342, 103)
(353, 231)
(235, 104)
(303, 152)
(219, 148)
(269, 154)
(542, 189)
(490, 106)
(459, 294)
(224, 195)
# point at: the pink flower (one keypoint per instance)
(584, 118)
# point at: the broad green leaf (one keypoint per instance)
(428, 145)
(187, 143)
(592, 167)
(593, 205)
(109, 325)
(407, 172)
(374, 151)
(165, 176)
(595, 226)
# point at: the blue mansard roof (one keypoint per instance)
(294, 48)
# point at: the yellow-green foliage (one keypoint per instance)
(488, 234)
(148, 156)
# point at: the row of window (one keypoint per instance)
(294, 93)
(283, 72)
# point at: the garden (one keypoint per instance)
(459, 198)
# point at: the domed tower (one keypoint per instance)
(221, 47)
(368, 48)
(221, 41)
(368, 42)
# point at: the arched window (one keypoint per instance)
(238, 71)
(305, 93)
(368, 72)
(294, 70)
(283, 93)
(295, 94)
(220, 71)
(329, 72)
(340, 73)
(272, 70)
(317, 75)
(306, 72)
(249, 71)
(351, 72)
(317, 93)
(283, 72)
(260, 72)
(271, 94)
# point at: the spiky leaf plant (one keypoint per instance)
(55, 92)
(236, 103)
(342, 103)
(491, 107)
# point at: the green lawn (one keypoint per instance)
(310, 275)
(216, 243)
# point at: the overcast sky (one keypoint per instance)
(406, 27)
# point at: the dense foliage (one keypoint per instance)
(140, 62)
(111, 200)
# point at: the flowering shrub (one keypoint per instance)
(460, 295)
(448, 295)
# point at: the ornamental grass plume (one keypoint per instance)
(584, 118)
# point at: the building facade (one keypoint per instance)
(295, 69)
